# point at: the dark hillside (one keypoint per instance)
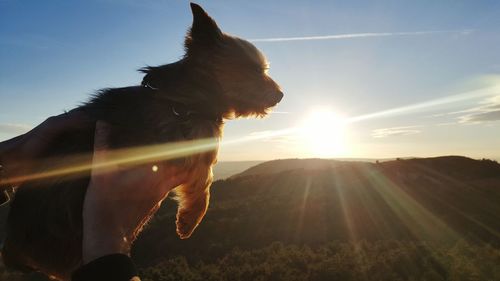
(225, 169)
(314, 219)
(434, 199)
(276, 166)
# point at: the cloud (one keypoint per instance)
(481, 117)
(445, 124)
(488, 111)
(14, 128)
(361, 35)
(486, 91)
(271, 136)
(395, 131)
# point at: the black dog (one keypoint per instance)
(220, 77)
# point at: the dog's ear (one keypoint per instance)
(204, 29)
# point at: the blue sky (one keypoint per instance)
(53, 54)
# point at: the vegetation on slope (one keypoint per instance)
(417, 219)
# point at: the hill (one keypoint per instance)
(226, 169)
(277, 166)
(316, 219)
(315, 201)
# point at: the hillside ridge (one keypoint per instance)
(461, 165)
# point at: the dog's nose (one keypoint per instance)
(279, 96)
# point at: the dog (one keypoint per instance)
(220, 77)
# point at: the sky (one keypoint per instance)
(362, 79)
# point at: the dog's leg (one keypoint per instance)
(193, 200)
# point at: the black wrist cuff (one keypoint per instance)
(115, 267)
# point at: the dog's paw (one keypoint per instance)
(185, 225)
(191, 210)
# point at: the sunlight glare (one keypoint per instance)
(323, 133)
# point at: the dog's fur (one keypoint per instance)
(220, 77)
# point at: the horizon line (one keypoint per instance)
(494, 158)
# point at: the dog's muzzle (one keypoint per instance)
(275, 98)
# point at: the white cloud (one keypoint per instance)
(396, 131)
(445, 124)
(271, 136)
(488, 111)
(361, 35)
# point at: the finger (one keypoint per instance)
(102, 160)
(34, 141)
(101, 137)
(37, 139)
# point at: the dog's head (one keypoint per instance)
(239, 68)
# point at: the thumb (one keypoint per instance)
(101, 137)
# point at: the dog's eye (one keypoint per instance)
(261, 70)
(265, 68)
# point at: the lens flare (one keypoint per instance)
(323, 133)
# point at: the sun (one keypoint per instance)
(323, 133)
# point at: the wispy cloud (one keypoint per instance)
(478, 106)
(270, 136)
(486, 91)
(14, 128)
(488, 111)
(362, 35)
(396, 131)
(445, 124)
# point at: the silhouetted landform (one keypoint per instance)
(225, 169)
(277, 166)
(274, 166)
(314, 219)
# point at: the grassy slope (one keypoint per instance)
(417, 219)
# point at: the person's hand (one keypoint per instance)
(17, 154)
(120, 200)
